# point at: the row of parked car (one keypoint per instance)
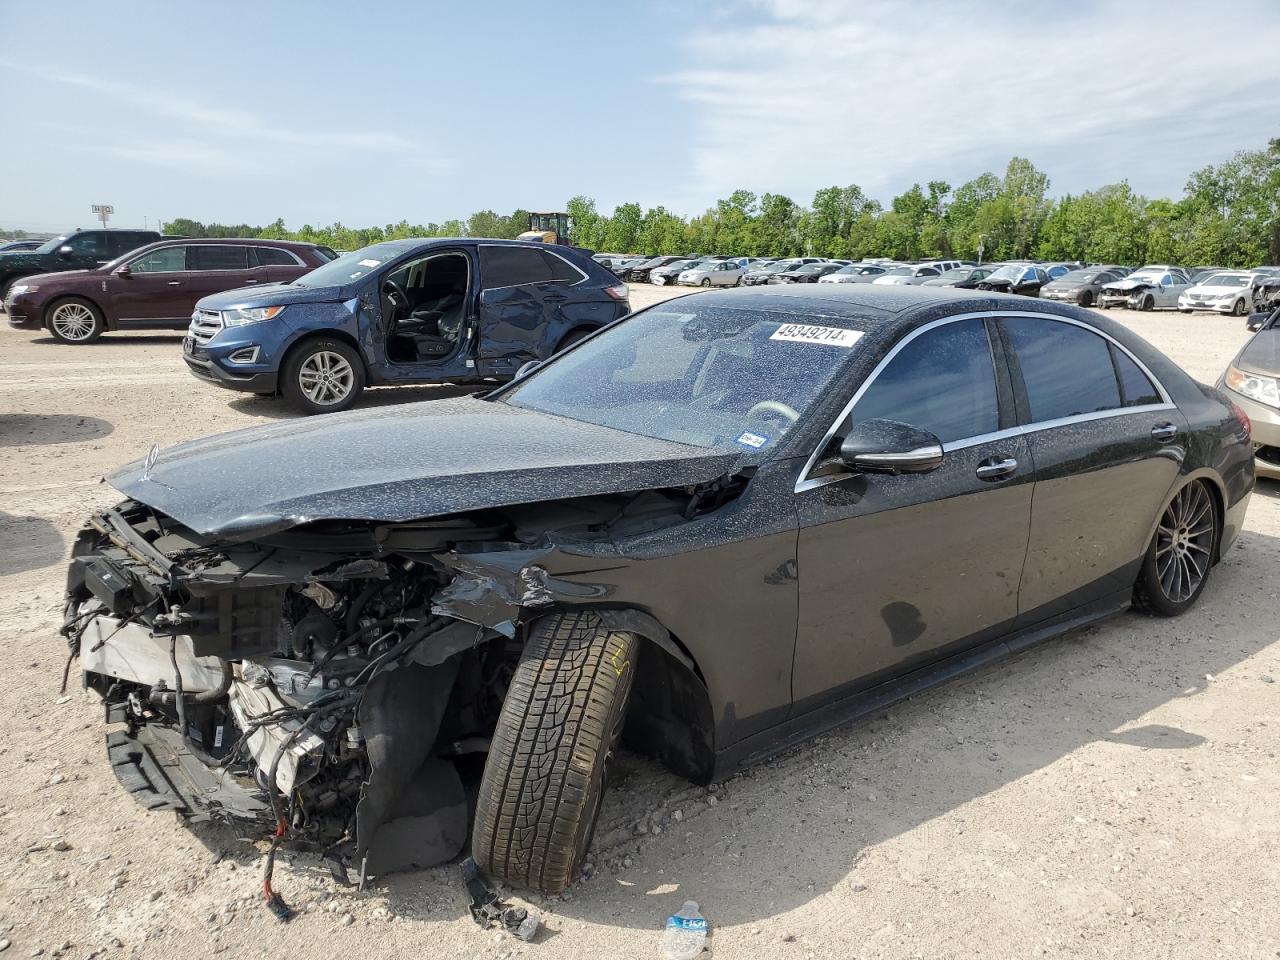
(1153, 287)
(278, 317)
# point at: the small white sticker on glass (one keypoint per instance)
(369, 263)
(808, 333)
(753, 440)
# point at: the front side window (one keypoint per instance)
(219, 258)
(87, 244)
(943, 381)
(164, 260)
(1067, 369)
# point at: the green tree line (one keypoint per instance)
(1229, 215)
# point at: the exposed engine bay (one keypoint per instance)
(337, 682)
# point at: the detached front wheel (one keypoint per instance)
(548, 763)
(323, 376)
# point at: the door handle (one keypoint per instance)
(996, 468)
(175, 283)
(251, 281)
(1164, 432)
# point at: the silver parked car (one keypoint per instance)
(1081, 286)
(723, 273)
(1155, 287)
(856, 273)
(913, 275)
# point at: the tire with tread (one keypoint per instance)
(96, 322)
(1149, 595)
(291, 387)
(549, 758)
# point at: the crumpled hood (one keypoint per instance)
(1262, 353)
(401, 463)
(1130, 284)
(270, 295)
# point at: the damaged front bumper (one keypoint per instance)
(300, 686)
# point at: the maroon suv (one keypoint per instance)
(154, 287)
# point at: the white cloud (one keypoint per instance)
(200, 137)
(799, 95)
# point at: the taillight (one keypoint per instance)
(1242, 418)
(618, 292)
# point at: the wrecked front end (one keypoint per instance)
(1128, 295)
(337, 683)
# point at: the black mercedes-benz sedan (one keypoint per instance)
(712, 528)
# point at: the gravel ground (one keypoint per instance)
(1114, 793)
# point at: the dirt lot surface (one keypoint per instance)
(1115, 793)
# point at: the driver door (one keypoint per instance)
(899, 571)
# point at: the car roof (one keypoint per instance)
(233, 242)
(895, 308)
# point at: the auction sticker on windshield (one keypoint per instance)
(808, 333)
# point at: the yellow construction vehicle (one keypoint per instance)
(547, 228)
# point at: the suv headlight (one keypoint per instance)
(1254, 386)
(243, 315)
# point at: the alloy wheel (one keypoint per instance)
(73, 321)
(1184, 541)
(326, 377)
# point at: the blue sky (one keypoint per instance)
(368, 114)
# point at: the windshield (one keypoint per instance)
(349, 266)
(900, 272)
(957, 273)
(1225, 280)
(1147, 276)
(705, 376)
(777, 267)
(1009, 272)
(1078, 276)
(49, 246)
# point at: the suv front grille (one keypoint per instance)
(205, 324)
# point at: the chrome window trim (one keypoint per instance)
(805, 482)
(582, 273)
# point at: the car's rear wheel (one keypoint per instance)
(1237, 308)
(548, 763)
(572, 337)
(323, 376)
(1180, 557)
(74, 320)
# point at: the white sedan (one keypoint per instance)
(727, 273)
(1226, 292)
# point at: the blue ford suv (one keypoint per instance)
(402, 312)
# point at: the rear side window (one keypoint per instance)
(560, 269)
(512, 266)
(1136, 388)
(943, 381)
(219, 258)
(119, 244)
(1067, 369)
(271, 257)
(164, 260)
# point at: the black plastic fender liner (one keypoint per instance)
(417, 799)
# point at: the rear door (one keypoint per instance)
(526, 300)
(277, 265)
(1107, 445)
(218, 267)
(899, 571)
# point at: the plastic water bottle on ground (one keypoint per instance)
(686, 933)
